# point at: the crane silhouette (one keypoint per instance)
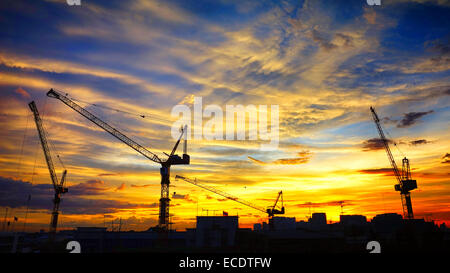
(173, 159)
(58, 185)
(405, 182)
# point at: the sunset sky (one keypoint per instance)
(323, 62)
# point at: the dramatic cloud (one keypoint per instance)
(411, 118)
(14, 193)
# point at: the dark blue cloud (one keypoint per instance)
(14, 194)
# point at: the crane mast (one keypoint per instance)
(173, 159)
(57, 185)
(405, 182)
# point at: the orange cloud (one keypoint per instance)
(303, 157)
(121, 187)
(24, 94)
(141, 186)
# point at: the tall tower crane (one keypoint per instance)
(405, 182)
(172, 159)
(58, 185)
(271, 210)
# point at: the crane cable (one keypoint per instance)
(141, 115)
(35, 150)
(163, 120)
(112, 122)
(395, 143)
(105, 107)
(52, 146)
(19, 169)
